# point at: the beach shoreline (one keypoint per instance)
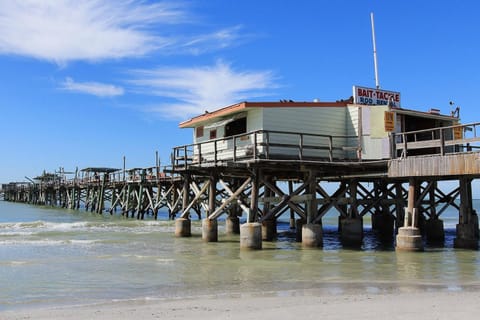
(398, 305)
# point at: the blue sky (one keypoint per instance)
(84, 83)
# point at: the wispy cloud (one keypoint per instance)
(61, 31)
(93, 88)
(216, 40)
(66, 30)
(194, 90)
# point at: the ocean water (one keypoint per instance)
(51, 257)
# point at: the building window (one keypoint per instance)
(235, 127)
(199, 132)
(213, 134)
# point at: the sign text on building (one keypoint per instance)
(389, 119)
(371, 96)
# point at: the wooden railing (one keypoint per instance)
(436, 141)
(266, 144)
(136, 175)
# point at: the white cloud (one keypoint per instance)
(61, 31)
(93, 88)
(66, 30)
(219, 39)
(194, 90)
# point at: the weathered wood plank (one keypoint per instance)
(436, 166)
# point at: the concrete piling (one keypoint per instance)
(269, 230)
(384, 225)
(312, 235)
(183, 227)
(298, 229)
(467, 236)
(434, 231)
(352, 231)
(210, 230)
(409, 239)
(232, 225)
(251, 235)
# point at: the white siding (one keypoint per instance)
(224, 147)
(375, 141)
(352, 121)
(329, 121)
(308, 120)
(353, 129)
(324, 120)
(254, 119)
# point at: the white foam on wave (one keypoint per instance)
(82, 242)
(31, 242)
(17, 263)
(46, 242)
(40, 227)
(65, 226)
(16, 233)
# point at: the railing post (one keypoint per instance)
(301, 147)
(234, 148)
(254, 145)
(442, 142)
(215, 151)
(393, 146)
(267, 152)
(185, 158)
(330, 147)
(199, 153)
(404, 137)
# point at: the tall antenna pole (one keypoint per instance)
(377, 83)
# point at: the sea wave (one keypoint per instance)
(47, 242)
(42, 225)
(36, 227)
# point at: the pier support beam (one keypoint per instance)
(269, 225)
(409, 237)
(232, 225)
(352, 231)
(269, 230)
(183, 227)
(292, 212)
(298, 229)
(467, 236)
(384, 225)
(467, 228)
(210, 230)
(251, 231)
(251, 235)
(210, 226)
(232, 222)
(312, 235)
(434, 231)
(351, 225)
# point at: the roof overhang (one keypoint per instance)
(227, 112)
(414, 113)
(428, 115)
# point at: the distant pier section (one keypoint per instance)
(258, 161)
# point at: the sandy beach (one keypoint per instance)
(416, 305)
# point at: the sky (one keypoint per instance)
(86, 83)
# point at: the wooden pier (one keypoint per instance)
(256, 183)
(134, 193)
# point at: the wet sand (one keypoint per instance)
(415, 305)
